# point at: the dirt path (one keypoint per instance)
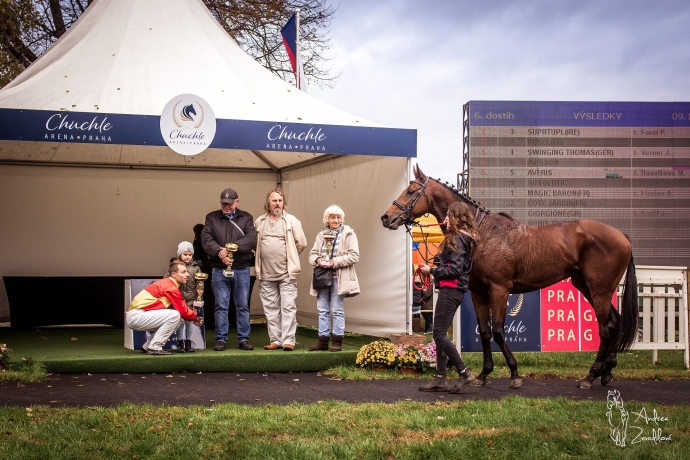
(273, 388)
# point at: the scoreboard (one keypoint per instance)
(626, 164)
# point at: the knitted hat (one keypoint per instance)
(185, 246)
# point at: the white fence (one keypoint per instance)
(663, 300)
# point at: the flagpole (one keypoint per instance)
(298, 57)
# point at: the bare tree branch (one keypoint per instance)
(29, 27)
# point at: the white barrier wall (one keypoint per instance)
(364, 187)
(62, 221)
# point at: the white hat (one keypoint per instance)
(185, 246)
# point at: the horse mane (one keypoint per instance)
(467, 199)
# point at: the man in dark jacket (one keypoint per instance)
(230, 225)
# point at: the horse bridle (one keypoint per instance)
(407, 211)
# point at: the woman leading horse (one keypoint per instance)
(513, 258)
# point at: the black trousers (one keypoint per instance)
(449, 300)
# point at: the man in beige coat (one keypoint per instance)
(279, 243)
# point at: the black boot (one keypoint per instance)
(337, 343)
(188, 347)
(180, 346)
(466, 378)
(438, 384)
(322, 344)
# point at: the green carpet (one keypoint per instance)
(82, 350)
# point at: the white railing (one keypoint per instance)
(663, 300)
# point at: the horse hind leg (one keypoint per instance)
(608, 334)
(606, 356)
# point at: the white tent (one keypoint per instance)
(81, 200)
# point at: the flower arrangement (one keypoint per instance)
(428, 355)
(4, 355)
(416, 356)
(378, 353)
(407, 355)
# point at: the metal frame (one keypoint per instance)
(463, 178)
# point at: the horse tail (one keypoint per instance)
(629, 310)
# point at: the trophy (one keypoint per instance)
(199, 277)
(231, 248)
(329, 236)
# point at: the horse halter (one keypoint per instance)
(406, 211)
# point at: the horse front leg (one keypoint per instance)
(483, 312)
(498, 313)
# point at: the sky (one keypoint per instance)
(413, 64)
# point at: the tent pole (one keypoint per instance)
(408, 257)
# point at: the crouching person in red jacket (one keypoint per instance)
(160, 308)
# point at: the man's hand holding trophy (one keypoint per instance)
(231, 248)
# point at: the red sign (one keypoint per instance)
(568, 322)
(560, 317)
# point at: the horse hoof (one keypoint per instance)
(515, 383)
(606, 379)
(478, 383)
(585, 385)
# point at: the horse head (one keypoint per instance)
(187, 112)
(408, 206)
(424, 195)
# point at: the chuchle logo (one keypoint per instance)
(283, 137)
(188, 124)
(72, 127)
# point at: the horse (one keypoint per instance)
(514, 258)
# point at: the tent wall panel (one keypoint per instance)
(60, 221)
(364, 187)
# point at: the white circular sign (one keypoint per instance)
(188, 124)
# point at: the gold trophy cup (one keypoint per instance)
(200, 277)
(329, 236)
(231, 248)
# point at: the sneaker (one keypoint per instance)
(157, 352)
(243, 346)
(220, 346)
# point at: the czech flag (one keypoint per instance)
(289, 33)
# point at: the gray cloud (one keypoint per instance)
(413, 64)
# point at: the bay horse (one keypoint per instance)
(513, 258)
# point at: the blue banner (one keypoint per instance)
(103, 128)
(522, 328)
(592, 114)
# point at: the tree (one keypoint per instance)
(29, 27)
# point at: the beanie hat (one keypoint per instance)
(185, 246)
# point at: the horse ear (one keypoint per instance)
(418, 174)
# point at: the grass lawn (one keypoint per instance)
(512, 428)
(635, 365)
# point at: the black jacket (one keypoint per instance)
(453, 267)
(218, 230)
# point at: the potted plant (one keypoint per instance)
(428, 355)
(378, 355)
(408, 358)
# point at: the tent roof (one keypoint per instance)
(133, 56)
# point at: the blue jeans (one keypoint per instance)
(328, 301)
(238, 287)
